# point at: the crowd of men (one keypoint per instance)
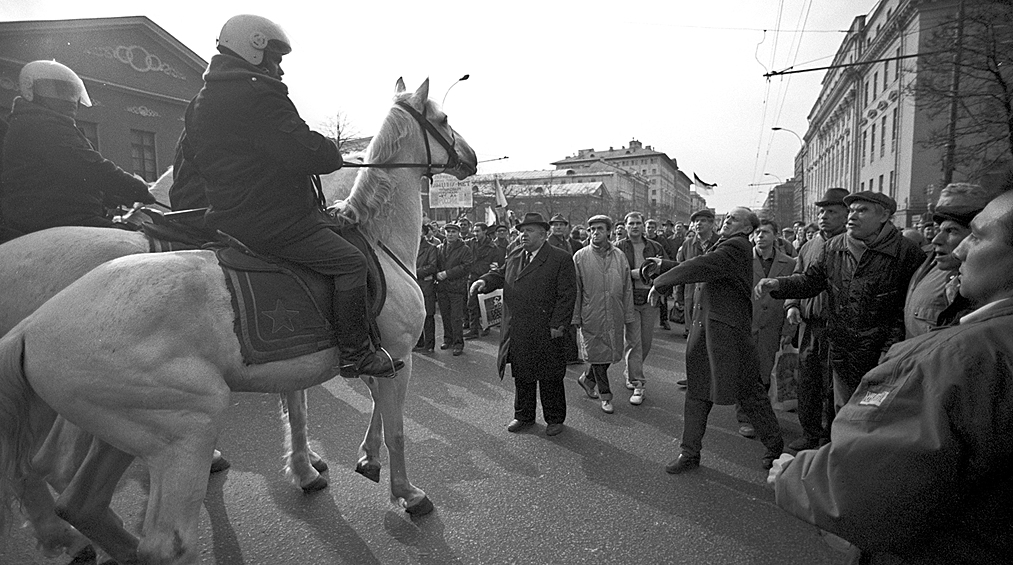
(905, 375)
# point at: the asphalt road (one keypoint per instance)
(597, 493)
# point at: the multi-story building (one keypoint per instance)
(139, 78)
(696, 202)
(666, 195)
(779, 205)
(867, 130)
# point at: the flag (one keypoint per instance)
(703, 187)
(501, 201)
(490, 216)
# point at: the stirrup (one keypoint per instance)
(351, 370)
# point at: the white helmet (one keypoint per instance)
(249, 36)
(52, 80)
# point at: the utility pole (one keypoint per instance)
(951, 135)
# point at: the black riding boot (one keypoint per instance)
(352, 330)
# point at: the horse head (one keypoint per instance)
(450, 148)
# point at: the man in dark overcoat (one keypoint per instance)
(722, 366)
(539, 293)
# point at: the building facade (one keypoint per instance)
(139, 78)
(868, 130)
(665, 193)
(779, 205)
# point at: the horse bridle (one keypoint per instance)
(450, 146)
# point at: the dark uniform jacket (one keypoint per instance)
(536, 299)
(865, 300)
(454, 258)
(720, 353)
(53, 177)
(188, 187)
(257, 156)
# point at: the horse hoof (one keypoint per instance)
(319, 483)
(420, 508)
(219, 464)
(320, 465)
(371, 472)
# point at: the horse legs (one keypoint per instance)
(302, 465)
(85, 502)
(389, 396)
(369, 462)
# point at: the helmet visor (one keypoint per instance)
(61, 90)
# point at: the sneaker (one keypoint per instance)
(638, 397)
(606, 407)
(587, 386)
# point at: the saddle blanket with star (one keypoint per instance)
(281, 310)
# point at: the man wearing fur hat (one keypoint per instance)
(933, 288)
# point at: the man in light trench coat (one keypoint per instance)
(604, 307)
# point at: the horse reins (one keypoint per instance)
(453, 161)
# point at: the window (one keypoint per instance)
(882, 138)
(896, 67)
(866, 99)
(872, 146)
(875, 84)
(881, 183)
(142, 152)
(90, 132)
(886, 73)
(893, 135)
(893, 186)
(864, 139)
(862, 188)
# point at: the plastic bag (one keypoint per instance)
(783, 379)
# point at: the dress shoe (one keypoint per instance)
(587, 386)
(630, 386)
(803, 443)
(768, 461)
(681, 383)
(471, 334)
(445, 346)
(458, 350)
(516, 425)
(681, 464)
(746, 430)
(553, 429)
(606, 407)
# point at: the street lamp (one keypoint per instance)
(801, 179)
(465, 77)
(779, 181)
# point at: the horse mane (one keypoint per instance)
(373, 188)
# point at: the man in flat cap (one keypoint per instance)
(865, 272)
(815, 399)
(453, 262)
(934, 286)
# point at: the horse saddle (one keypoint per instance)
(284, 310)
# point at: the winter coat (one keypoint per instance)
(865, 299)
(483, 254)
(720, 353)
(810, 309)
(919, 460)
(454, 258)
(257, 156)
(561, 243)
(536, 299)
(53, 177)
(188, 190)
(929, 294)
(604, 302)
(769, 321)
(692, 247)
(426, 263)
(668, 254)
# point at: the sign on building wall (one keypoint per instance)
(450, 195)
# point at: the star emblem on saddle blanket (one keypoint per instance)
(281, 317)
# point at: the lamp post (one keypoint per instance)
(465, 77)
(801, 179)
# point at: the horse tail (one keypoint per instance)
(16, 398)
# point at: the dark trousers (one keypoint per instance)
(474, 313)
(815, 400)
(599, 375)
(327, 253)
(751, 397)
(452, 313)
(663, 311)
(552, 394)
(572, 349)
(428, 337)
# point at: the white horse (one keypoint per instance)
(153, 381)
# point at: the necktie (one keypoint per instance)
(525, 259)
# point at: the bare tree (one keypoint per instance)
(967, 81)
(340, 129)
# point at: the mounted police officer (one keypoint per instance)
(52, 176)
(257, 157)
